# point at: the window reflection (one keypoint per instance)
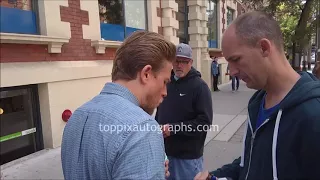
(182, 17)
(120, 18)
(19, 4)
(230, 15)
(212, 12)
(111, 11)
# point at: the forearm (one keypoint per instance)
(230, 170)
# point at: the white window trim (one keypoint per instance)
(101, 45)
(54, 43)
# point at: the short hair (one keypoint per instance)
(141, 48)
(253, 26)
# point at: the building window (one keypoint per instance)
(212, 12)
(120, 18)
(18, 16)
(182, 17)
(230, 15)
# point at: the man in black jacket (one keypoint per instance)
(283, 127)
(186, 115)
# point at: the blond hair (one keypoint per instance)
(141, 48)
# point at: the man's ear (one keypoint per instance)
(145, 74)
(265, 47)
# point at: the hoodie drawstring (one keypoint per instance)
(274, 144)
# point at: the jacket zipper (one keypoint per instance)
(252, 140)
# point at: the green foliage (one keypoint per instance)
(287, 14)
(297, 18)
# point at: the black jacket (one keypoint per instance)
(296, 141)
(188, 102)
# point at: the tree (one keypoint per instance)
(297, 19)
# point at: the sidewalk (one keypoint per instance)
(230, 113)
(221, 146)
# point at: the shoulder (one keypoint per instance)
(200, 84)
(114, 110)
(310, 110)
(201, 88)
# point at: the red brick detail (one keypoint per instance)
(78, 49)
(160, 30)
(216, 53)
(37, 53)
(240, 9)
(159, 12)
(20, 4)
(223, 13)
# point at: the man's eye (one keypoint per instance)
(237, 59)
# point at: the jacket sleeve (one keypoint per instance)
(203, 120)
(230, 170)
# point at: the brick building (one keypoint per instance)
(56, 55)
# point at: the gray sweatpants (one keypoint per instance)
(184, 169)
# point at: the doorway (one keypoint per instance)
(21, 132)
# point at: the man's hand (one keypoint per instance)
(166, 167)
(202, 176)
(165, 130)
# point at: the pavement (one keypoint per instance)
(230, 113)
(222, 146)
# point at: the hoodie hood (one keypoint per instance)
(306, 88)
(191, 74)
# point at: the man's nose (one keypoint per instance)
(179, 65)
(233, 71)
(164, 93)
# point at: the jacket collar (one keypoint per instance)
(117, 89)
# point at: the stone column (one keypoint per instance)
(205, 58)
(198, 32)
(154, 16)
(169, 21)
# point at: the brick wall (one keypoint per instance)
(20, 4)
(76, 50)
(223, 10)
(240, 9)
(215, 53)
(159, 14)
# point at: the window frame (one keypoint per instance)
(229, 9)
(124, 24)
(35, 9)
(215, 21)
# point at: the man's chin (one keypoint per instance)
(251, 86)
(179, 74)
